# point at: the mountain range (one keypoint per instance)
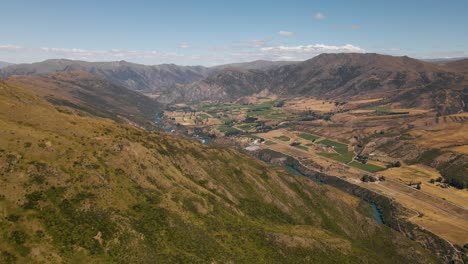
(4, 64)
(403, 81)
(137, 77)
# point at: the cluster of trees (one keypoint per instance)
(396, 164)
(370, 178)
(451, 181)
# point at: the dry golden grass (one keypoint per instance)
(185, 119)
(439, 216)
(417, 172)
(412, 173)
(304, 104)
(364, 101)
(361, 111)
(460, 149)
(442, 136)
(436, 216)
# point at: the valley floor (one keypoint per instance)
(444, 218)
(313, 131)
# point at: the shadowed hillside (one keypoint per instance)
(88, 93)
(137, 77)
(83, 189)
(4, 64)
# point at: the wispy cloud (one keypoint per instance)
(286, 33)
(319, 16)
(90, 54)
(239, 51)
(302, 52)
(10, 47)
(184, 45)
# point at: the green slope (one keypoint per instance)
(79, 189)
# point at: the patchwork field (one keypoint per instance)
(349, 140)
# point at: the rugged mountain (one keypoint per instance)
(402, 80)
(86, 92)
(228, 84)
(4, 64)
(458, 65)
(147, 79)
(444, 60)
(79, 189)
(256, 65)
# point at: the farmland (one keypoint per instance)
(349, 141)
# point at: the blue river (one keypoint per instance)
(377, 214)
(291, 168)
(375, 210)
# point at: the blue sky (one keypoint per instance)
(216, 32)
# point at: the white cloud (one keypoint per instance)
(302, 52)
(319, 16)
(286, 33)
(10, 47)
(17, 54)
(315, 47)
(240, 51)
(184, 45)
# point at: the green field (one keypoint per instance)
(247, 127)
(204, 116)
(339, 147)
(385, 110)
(283, 138)
(366, 167)
(228, 129)
(250, 136)
(343, 158)
(302, 147)
(269, 143)
(381, 109)
(261, 112)
(308, 137)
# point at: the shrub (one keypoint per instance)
(13, 218)
(18, 237)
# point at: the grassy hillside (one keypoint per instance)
(88, 93)
(80, 189)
